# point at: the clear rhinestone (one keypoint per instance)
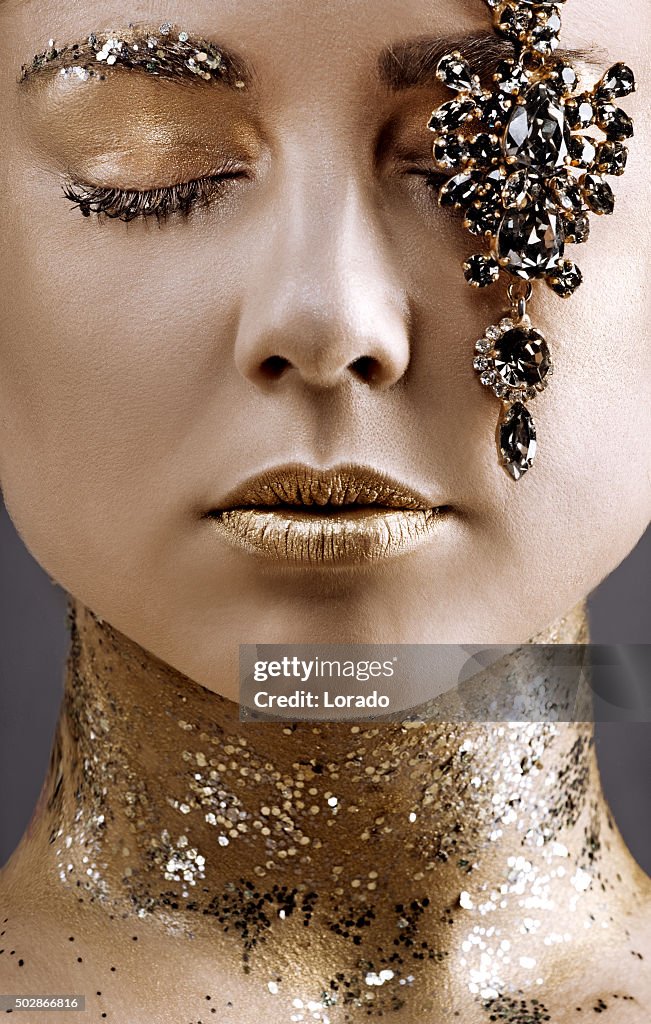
(564, 78)
(544, 35)
(505, 324)
(530, 242)
(513, 21)
(485, 149)
(483, 345)
(492, 182)
(519, 188)
(487, 377)
(566, 192)
(517, 440)
(493, 333)
(495, 109)
(537, 134)
(481, 363)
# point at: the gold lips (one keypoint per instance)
(307, 516)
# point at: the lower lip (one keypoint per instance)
(309, 539)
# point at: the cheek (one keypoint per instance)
(114, 345)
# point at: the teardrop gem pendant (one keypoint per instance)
(513, 359)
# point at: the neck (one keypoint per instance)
(398, 844)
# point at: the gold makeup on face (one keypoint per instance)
(132, 132)
(162, 118)
(304, 516)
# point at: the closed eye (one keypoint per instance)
(128, 204)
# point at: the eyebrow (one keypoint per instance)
(412, 62)
(168, 53)
(172, 55)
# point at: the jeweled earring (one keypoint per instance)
(526, 175)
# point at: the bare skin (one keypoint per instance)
(133, 396)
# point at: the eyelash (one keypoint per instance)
(129, 204)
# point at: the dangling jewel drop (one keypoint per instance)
(513, 359)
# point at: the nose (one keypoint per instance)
(323, 304)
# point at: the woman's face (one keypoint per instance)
(314, 312)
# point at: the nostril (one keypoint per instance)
(367, 369)
(274, 366)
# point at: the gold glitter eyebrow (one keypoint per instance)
(167, 52)
(411, 63)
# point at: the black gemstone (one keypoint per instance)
(452, 114)
(530, 241)
(619, 80)
(520, 188)
(450, 151)
(513, 22)
(582, 150)
(563, 78)
(611, 158)
(537, 134)
(492, 182)
(485, 149)
(521, 357)
(615, 122)
(579, 113)
(566, 278)
(481, 270)
(455, 72)
(598, 194)
(517, 440)
(577, 228)
(482, 219)
(544, 36)
(495, 109)
(567, 192)
(460, 190)
(512, 77)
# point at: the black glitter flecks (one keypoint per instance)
(224, 835)
(513, 1010)
(250, 911)
(573, 777)
(350, 923)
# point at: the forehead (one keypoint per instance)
(285, 40)
(329, 45)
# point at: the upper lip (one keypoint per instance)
(301, 486)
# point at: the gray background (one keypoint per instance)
(33, 646)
